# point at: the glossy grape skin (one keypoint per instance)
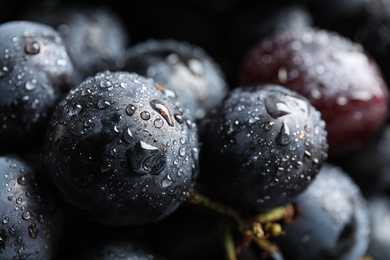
(95, 35)
(331, 221)
(261, 146)
(30, 217)
(184, 68)
(36, 71)
(119, 149)
(379, 207)
(335, 74)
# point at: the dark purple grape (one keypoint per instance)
(261, 146)
(30, 219)
(35, 71)
(120, 150)
(187, 69)
(379, 208)
(331, 221)
(95, 36)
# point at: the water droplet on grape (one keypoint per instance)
(127, 135)
(22, 180)
(167, 181)
(179, 118)
(162, 109)
(158, 123)
(32, 48)
(33, 231)
(26, 215)
(130, 109)
(145, 115)
(31, 84)
(283, 137)
(275, 107)
(75, 110)
(103, 104)
(144, 158)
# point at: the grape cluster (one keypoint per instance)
(219, 129)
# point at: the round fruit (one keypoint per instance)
(331, 222)
(118, 149)
(182, 67)
(262, 146)
(334, 73)
(35, 71)
(30, 220)
(95, 35)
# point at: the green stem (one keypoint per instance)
(229, 244)
(275, 214)
(198, 199)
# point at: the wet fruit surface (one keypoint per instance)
(125, 152)
(332, 220)
(186, 69)
(262, 145)
(104, 34)
(35, 71)
(30, 219)
(335, 74)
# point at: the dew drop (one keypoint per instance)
(105, 84)
(307, 154)
(145, 115)
(22, 180)
(268, 126)
(130, 109)
(283, 138)
(144, 158)
(32, 48)
(103, 104)
(33, 231)
(253, 120)
(307, 128)
(26, 215)
(41, 219)
(166, 182)
(31, 84)
(299, 165)
(275, 107)
(179, 118)
(182, 151)
(12, 232)
(158, 123)
(127, 135)
(75, 110)
(5, 220)
(169, 93)
(147, 146)
(162, 109)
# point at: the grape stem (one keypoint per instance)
(256, 229)
(196, 198)
(228, 243)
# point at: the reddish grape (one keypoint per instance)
(334, 73)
